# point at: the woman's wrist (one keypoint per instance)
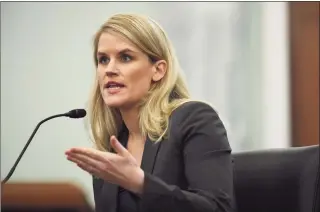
(137, 181)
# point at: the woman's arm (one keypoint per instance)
(207, 164)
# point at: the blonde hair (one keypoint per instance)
(163, 97)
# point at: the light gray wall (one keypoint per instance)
(47, 68)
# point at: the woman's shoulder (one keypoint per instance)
(197, 118)
(193, 108)
(191, 113)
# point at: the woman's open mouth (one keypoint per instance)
(113, 87)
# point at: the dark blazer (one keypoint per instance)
(191, 171)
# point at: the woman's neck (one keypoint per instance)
(131, 120)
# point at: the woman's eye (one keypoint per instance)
(126, 58)
(103, 60)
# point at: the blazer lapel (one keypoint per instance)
(149, 155)
(109, 197)
(110, 191)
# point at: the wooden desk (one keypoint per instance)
(43, 197)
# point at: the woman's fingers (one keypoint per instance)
(91, 170)
(105, 165)
(87, 159)
(84, 163)
(90, 152)
(117, 146)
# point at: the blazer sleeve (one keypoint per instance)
(208, 165)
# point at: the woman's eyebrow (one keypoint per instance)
(101, 54)
(126, 50)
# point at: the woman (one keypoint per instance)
(156, 149)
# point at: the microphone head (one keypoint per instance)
(76, 113)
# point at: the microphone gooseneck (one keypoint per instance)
(76, 113)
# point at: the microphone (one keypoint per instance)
(75, 114)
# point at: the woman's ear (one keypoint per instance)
(160, 69)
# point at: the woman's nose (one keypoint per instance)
(111, 69)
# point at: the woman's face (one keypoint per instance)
(124, 72)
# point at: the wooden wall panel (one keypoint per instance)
(304, 62)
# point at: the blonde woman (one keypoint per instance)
(156, 150)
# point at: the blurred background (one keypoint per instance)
(257, 63)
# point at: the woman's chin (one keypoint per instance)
(124, 105)
(114, 104)
(114, 101)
